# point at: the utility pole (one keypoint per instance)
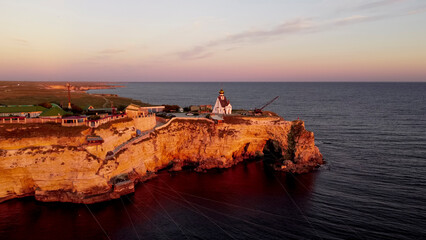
(69, 95)
(112, 108)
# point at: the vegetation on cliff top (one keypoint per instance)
(19, 131)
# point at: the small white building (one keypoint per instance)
(222, 105)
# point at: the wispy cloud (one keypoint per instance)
(369, 7)
(358, 19)
(198, 52)
(292, 27)
(289, 27)
(21, 41)
(377, 4)
(417, 11)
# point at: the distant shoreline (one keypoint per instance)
(22, 93)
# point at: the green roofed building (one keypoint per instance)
(54, 112)
(29, 111)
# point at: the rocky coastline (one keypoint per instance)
(62, 168)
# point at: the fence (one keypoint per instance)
(24, 120)
(98, 122)
(183, 118)
(90, 123)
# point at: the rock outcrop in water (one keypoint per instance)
(62, 168)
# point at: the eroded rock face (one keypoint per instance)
(299, 156)
(71, 173)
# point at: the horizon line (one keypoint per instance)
(329, 81)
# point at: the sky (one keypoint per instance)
(220, 40)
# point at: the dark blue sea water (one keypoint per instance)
(372, 135)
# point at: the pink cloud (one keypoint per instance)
(289, 27)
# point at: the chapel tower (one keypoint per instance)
(222, 106)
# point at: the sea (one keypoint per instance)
(373, 186)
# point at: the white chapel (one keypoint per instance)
(222, 105)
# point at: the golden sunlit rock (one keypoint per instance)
(63, 169)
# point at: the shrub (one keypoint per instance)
(94, 117)
(45, 105)
(76, 109)
(121, 108)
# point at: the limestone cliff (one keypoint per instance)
(73, 172)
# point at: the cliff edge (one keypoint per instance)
(62, 168)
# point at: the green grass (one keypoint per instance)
(18, 109)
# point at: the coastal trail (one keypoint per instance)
(140, 137)
(107, 102)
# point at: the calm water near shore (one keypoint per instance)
(372, 135)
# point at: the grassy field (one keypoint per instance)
(32, 93)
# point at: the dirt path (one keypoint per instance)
(142, 136)
(107, 103)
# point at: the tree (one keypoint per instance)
(45, 105)
(121, 108)
(76, 109)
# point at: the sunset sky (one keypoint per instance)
(229, 40)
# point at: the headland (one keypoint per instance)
(89, 159)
